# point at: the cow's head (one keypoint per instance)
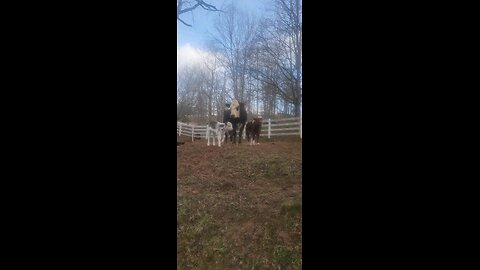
(228, 127)
(257, 120)
(235, 109)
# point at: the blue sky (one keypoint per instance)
(202, 21)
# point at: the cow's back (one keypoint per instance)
(249, 127)
(243, 113)
(226, 116)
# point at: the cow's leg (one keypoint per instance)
(208, 136)
(242, 126)
(219, 138)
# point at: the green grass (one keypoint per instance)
(286, 258)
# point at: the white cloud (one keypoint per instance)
(189, 56)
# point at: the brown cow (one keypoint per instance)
(253, 129)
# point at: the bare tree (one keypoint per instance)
(234, 36)
(259, 64)
(281, 48)
(189, 93)
(184, 6)
(200, 95)
(213, 91)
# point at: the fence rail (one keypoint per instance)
(270, 128)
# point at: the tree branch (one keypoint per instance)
(199, 3)
(188, 9)
(184, 22)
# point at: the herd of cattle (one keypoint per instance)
(234, 119)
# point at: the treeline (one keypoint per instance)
(258, 61)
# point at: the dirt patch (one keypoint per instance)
(239, 206)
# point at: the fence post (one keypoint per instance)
(193, 131)
(206, 133)
(300, 127)
(269, 124)
(180, 130)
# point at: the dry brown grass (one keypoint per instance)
(239, 206)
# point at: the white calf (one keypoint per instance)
(228, 131)
(216, 129)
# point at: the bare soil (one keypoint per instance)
(239, 206)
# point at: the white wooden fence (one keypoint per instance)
(270, 128)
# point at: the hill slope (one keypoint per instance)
(239, 206)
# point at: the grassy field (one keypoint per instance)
(239, 206)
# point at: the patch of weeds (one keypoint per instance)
(277, 168)
(204, 227)
(214, 253)
(294, 168)
(286, 258)
(291, 212)
(181, 216)
(270, 168)
(253, 264)
(291, 208)
(198, 242)
(267, 239)
(182, 211)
